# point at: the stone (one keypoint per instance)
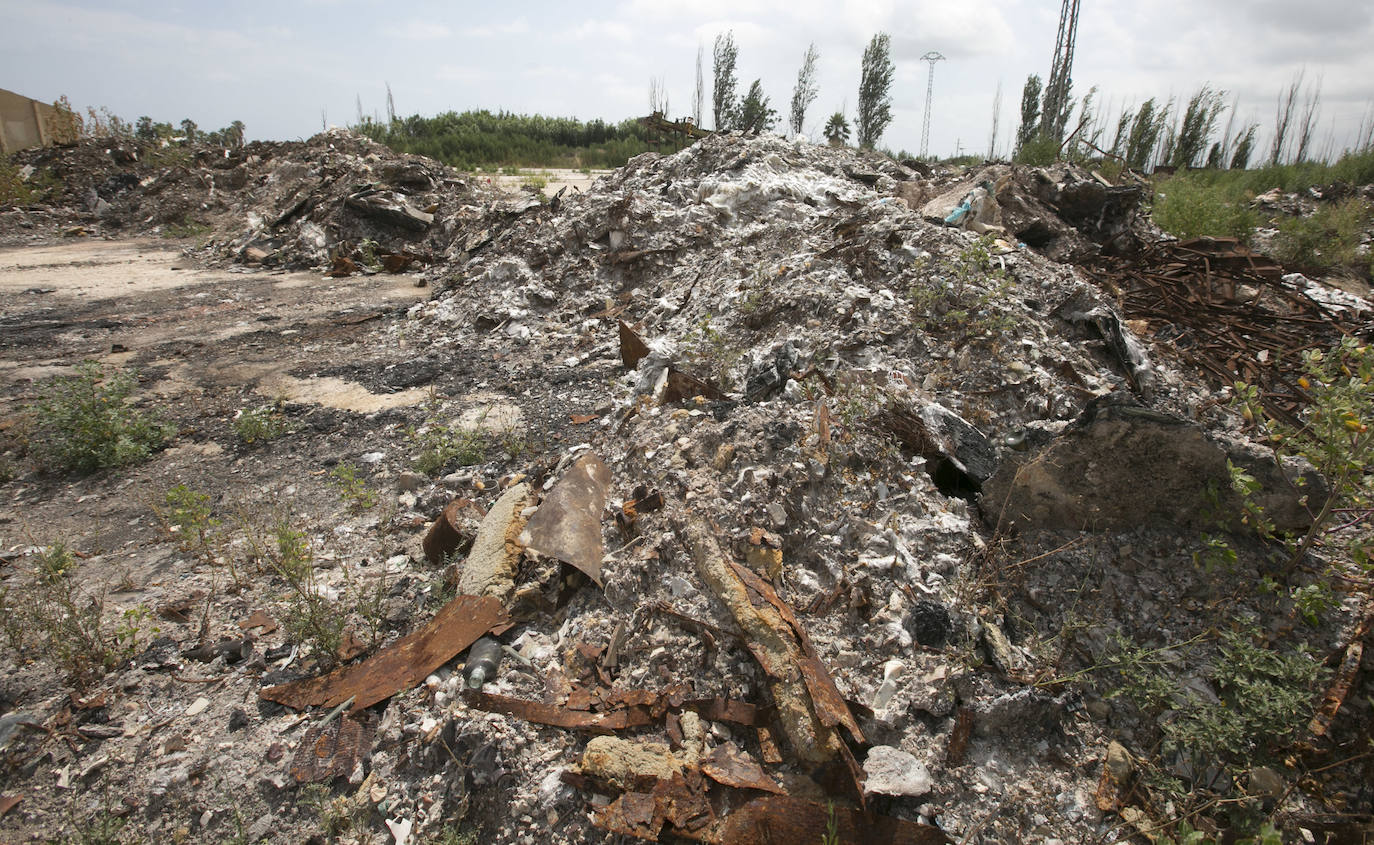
(1266, 783)
(892, 771)
(624, 761)
(490, 566)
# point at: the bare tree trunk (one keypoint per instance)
(1283, 120)
(699, 98)
(1310, 110)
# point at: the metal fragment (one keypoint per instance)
(401, 666)
(567, 525)
(331, 750)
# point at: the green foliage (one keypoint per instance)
(1335, 438)
(837, 130)
(312, 617)
(964, 295)
(755, 114)
(1038, 151)
(442, 447)
(186, 514)
(185, 228)
(13, 190)
(85, 422)
(1199, 122)
(723, 106)
(1192, 205)
(1030, 113)
(352, 487)
(706, 348)
(875, 91)
(50, 615)
(804, 94)
(535, 181)
(262, 424)
(1330, 237)
(484, 138)
(832, 827)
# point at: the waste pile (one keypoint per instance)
(848, 498)
(336, 201)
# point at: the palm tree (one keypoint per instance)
(837, 130)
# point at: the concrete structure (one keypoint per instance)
(28, 123)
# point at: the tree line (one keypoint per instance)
(1173, 133)
(754, 112)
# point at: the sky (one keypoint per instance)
(289, 67)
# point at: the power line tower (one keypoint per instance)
(932, 57)
(1052, 116)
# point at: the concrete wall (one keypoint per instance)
(26, 123)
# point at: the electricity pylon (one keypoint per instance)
(932, 57)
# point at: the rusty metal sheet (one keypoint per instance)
(681, 387)
(567, 525)
(772, 819)
(453, 531)
(729, 766)
(402, 665)
(724, 710)
(959, 737)
(9, 802)
(1345, 678)
(332, 751)
(560, 717)
(830, 705)
(634, 814)
(633, 349)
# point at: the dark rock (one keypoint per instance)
(929, 623)
(238, 719)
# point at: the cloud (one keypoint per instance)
(519, 26)
(417, 30)
(603, 30)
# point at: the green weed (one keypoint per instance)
(185, 228)
(50, 615)
(964, 295)
(262, 424)
(85, 422)
(352, 487)
(442, 447)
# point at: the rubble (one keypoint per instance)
(860, 497)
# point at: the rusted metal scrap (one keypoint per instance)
(567, 525)
(452, 532)
(632, 347)
(809, 705)
(681, 387)
(1227, 312)
(332, 750)
(401, 666)
(1343, 681)
(782, 818)
(729, 766)
(631, 716)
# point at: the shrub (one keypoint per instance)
(85, 422)
(1191, 207)
(260, 425)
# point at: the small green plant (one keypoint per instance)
(352, 487)
(85, 422)
(1328, 238)
(262, 424)
(535, 181)
(52, 616)
(312, 618)
(964, 295)
(338, 816)
(184, 228)
(707, 347)
(186, 515)
(510, 170)
(444, 446)
(1335, 437)
(832, 826)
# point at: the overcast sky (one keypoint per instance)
(284, 67)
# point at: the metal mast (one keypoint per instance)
(932, 57)
(1052, 115)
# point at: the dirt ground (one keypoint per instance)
(206, 345)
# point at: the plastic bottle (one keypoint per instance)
(483, 658)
